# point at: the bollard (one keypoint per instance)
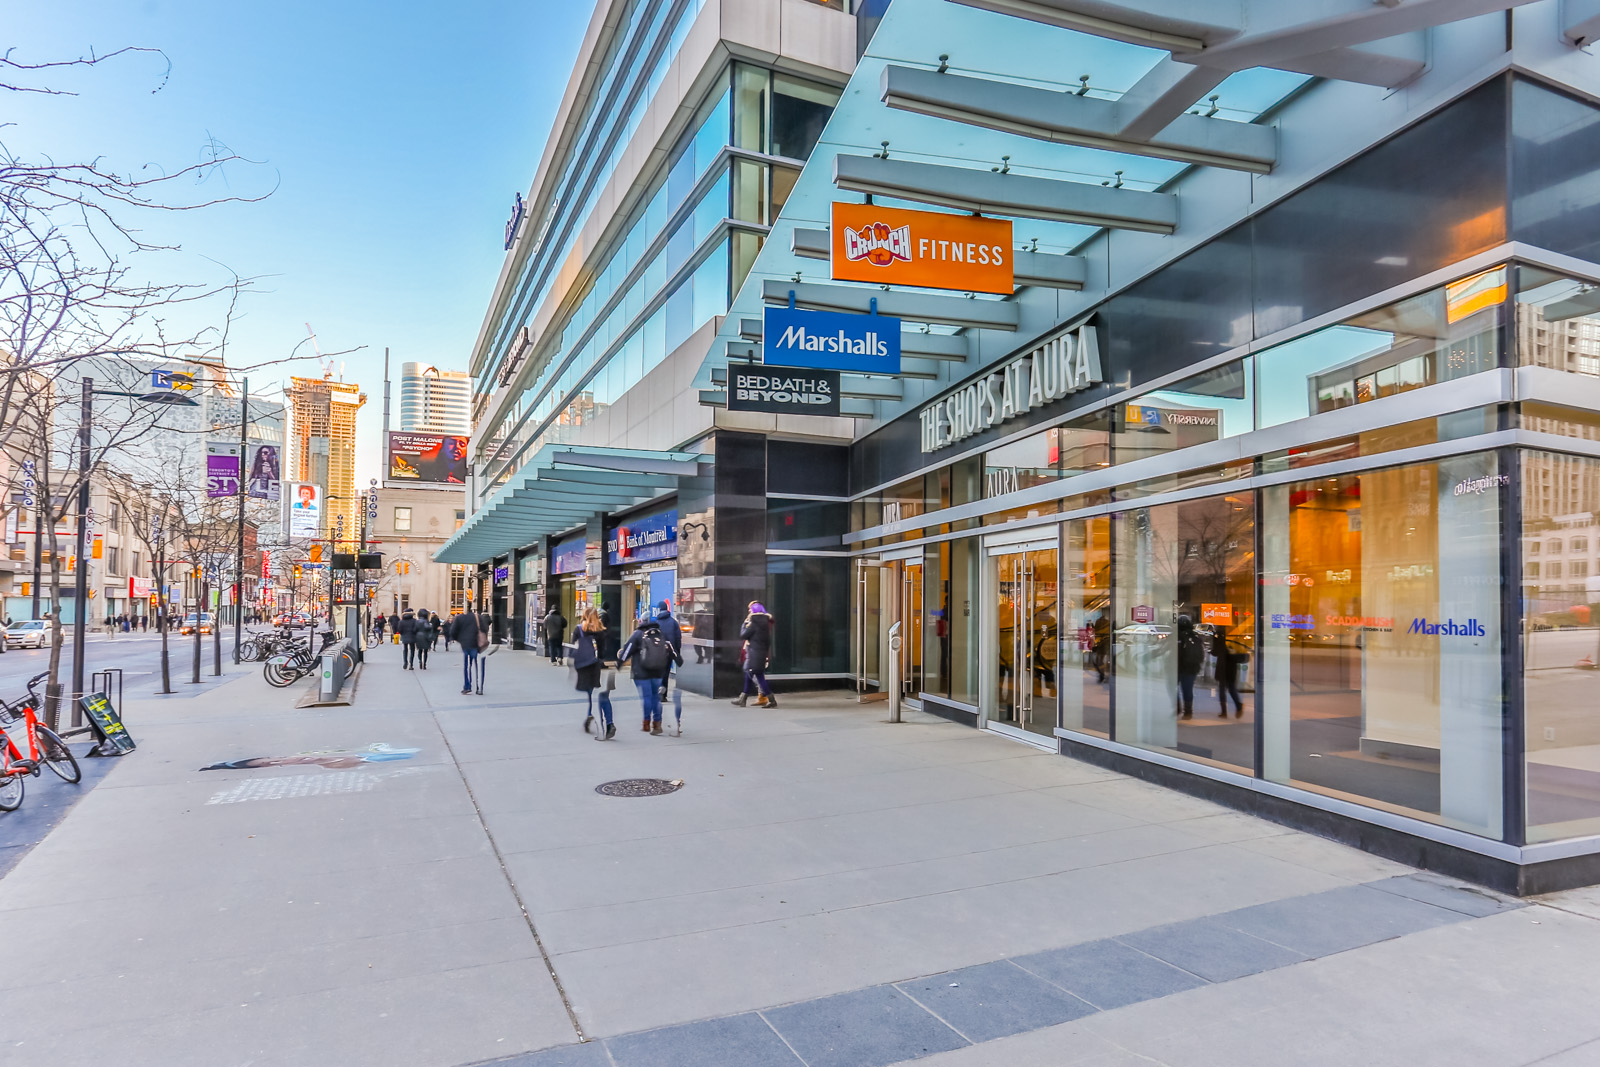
(894, 673)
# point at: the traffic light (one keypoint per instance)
(27, 588)
(297, 572)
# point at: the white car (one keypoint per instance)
(33, 633)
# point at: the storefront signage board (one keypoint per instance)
(644, 538)
(103, 718)
(776, 392)
(930, 249)
(1064, 364)
(830, 340)
(1144, 613)
(1217, 614)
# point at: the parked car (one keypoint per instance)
(191, 620)
(31, 633)
(296, 619)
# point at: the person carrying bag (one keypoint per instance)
(469, 631)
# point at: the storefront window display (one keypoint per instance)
(1184, 619)
(1380, 660)
(1086, 625)
(1437, 336)
(1560, 644)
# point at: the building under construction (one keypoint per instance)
(322, 444)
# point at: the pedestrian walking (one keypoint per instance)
(435, 624)
(469, 631)
(756, 633)
(408, 639)
(650, 657)
(449, 626)
(394, 628)
(672, 630)
(1191, 652)
(555, 627)
(588, 661)
(1229, 660)
(423, 637)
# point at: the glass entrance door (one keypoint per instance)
(910, 618)
(1027, 640)
(869, 630)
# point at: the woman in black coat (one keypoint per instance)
(756, 633)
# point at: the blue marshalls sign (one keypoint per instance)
(830, 340)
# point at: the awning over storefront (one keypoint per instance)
(562, 486)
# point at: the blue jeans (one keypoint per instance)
(1186, 693)
(650, 697)
(605, 705)
(469, 658)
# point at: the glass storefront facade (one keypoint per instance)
(1399, 612)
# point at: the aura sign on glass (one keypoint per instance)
(1066, 363)
(830, 340)
(931, 249)
(776, 391)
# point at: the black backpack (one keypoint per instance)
(654, 653)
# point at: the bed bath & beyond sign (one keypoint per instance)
(1066, 363)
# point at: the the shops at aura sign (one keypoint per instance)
(776, 391)
(517, 210)
(830, 340)
(644, 538)
(1066, 363)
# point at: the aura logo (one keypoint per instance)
(1448, 628)
(878, 244)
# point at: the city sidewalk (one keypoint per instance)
(798, 901)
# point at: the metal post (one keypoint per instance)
(894, 671)
(238, 570)
(80, 615)
(38, 543)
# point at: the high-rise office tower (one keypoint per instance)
(322, 443)
(434, 400)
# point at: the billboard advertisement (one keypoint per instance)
(896, 246)
(305, 511)
(265, 479)
(222, 470)
(427, 457)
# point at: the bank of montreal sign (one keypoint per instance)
(1066, 363)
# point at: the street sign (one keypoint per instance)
(176, 381)
(808, 392)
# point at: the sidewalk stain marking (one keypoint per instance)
(639, 787)
(286, 786)
(375, 753)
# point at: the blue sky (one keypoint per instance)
(396, 135)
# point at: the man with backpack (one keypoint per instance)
(469, 630)
(555, 629)
(650, 657)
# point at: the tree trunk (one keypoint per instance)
(197, 616)
(162, 613)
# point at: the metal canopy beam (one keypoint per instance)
(1160, 98)
(1067, 118)
(1582, 21)
(916, 306)
(1015, 195)
(1044, 269)
(1149, 24)
(667, 465)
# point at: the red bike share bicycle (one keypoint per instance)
(40, 748)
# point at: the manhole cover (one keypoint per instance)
(639, 787)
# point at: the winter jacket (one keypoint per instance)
(555, 624)
(631, 649)
(408, 630)
(586, 648)
(469, 630)
(1191, 651)
(671, 630)
(757, 638)
(394, 624)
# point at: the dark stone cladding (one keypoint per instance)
(934, 706)
(1502, 875)
(1388, 215)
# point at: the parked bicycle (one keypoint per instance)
(295, 662)
(19, 720)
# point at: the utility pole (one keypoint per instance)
(81, 569)
(238, 571)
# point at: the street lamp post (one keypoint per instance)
(238, 570)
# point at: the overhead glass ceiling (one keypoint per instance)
(988, 45)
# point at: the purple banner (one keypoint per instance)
(222, 476)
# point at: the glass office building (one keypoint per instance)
(1322, 537)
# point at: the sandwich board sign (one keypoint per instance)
(107, 724)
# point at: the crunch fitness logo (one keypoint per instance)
(878, 244)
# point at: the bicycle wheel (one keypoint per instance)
(57, 756)
(349, 662)
(11, 788)
(278, 674)
(247, 652)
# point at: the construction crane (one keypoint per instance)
(327, 364)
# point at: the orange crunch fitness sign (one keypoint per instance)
(894, 246)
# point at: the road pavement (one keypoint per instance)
(139, 656)
(432, 879)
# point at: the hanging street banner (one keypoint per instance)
(222, 470)
(305, 511)
(265, 478)
(830, 340)
(775, 392)
(932, 249)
